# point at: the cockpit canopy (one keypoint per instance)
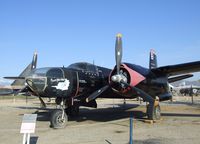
(83, 66)
(46, 81)
(48, 72)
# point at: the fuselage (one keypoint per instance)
(79, 80)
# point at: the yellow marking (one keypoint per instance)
(156, 103)
(119, 35)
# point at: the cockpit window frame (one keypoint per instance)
(63, 74)
(42, 72)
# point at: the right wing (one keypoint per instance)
(172, 70)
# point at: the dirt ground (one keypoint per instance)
(109, 124)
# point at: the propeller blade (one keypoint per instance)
(32, 86)
(118, 51)
(20, 91)
(95, 94)
(42, 102)
(142, 94)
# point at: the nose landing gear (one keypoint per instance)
(59, 117)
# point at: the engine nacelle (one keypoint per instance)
(127, 75)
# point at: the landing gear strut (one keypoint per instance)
(58, 117)
(153, 112)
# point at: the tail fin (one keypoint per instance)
(153, 59)
(26, 71)
(34, 61)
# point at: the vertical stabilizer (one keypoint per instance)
(34, 61)
(26, 71)
(153, 59)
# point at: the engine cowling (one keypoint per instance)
(127, 75)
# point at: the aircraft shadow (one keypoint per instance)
(186, 103)
(180, 115)
(117, 112)
(31, 108)
(110, 114)
(33, 139)
(99, 114)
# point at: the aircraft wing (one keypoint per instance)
(181, 77)
(178, 69)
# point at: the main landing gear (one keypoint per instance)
(153, 111)
(59, 117)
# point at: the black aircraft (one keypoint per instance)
(81, 83)
(69, 86)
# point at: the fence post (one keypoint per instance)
(131, 131)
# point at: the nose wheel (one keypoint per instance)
(58, 119)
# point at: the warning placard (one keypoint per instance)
(28, 123)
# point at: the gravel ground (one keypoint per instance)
(109, 124)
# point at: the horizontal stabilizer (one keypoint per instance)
(15, 78)
(177, 78)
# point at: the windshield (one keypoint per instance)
(40, 72)
(55, 73)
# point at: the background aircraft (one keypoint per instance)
(186, 89)
(19, 82)
(81, 83)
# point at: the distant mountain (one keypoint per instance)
(4, 82)
(178, 83)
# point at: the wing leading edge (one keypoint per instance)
(172, 70)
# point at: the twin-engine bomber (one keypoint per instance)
(80, 84)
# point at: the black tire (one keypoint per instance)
(56, 120)
(153, 112)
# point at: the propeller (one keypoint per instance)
(31, 84)
(95, 94)
(22, 90)
(142, 94)
(118, 51)
(120, 78)
(118, 59)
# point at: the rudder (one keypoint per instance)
(152, 59)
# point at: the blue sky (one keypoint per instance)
(68, 31)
